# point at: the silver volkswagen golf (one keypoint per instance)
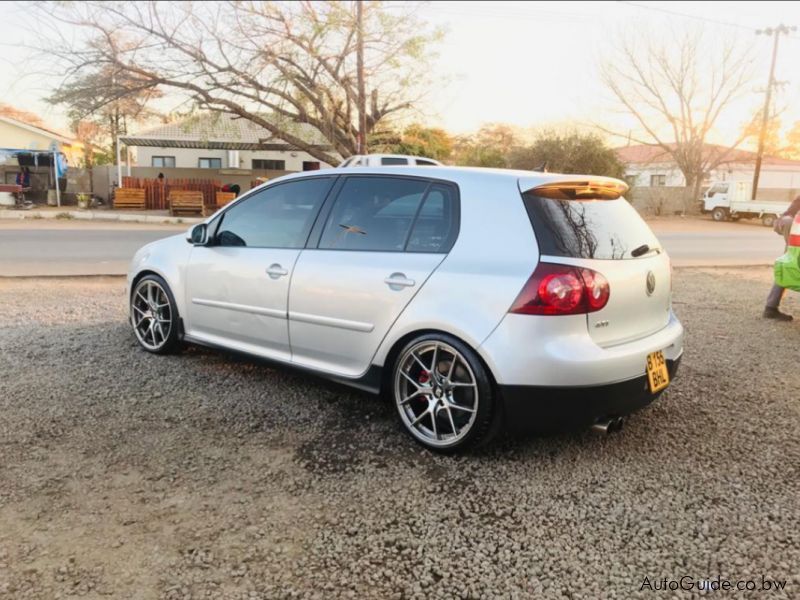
(473, 298)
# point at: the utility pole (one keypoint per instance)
(776, 33)
(362, 96)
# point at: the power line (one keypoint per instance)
(686, 16)
(675, 13)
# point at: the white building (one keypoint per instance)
(652, 166)
(221, 141)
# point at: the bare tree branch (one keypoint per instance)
(282, 66)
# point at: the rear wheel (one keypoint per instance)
(720, 213)
(443, 393)
(154, 315)
(768, 220)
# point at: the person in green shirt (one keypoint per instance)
(782, 226)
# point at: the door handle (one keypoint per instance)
(397, 281)
(275, 270)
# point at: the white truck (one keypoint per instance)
(731, 200)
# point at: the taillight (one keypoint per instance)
(562, 290)
(597, 289)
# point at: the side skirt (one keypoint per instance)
(370, 382)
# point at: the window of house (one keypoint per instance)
(310, 165)
(658, 180)
(269, 164)
(209, 163)
(163, 161)
(279, 216)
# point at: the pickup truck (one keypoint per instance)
(731, 200)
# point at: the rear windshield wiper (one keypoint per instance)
(642, 250)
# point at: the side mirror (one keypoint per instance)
(197, 235)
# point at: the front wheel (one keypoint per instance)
(154, 315)
(768, 220)
(443, 394)
(720, 213)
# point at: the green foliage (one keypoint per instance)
(567, 152)
(414, 140)
(489, 147)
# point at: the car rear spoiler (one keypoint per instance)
(594, 188)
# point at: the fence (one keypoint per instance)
(156, 193)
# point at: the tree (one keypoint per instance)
(489, 147)
(792, 148)
(23, 116)
(109, 99)
(568, 152)
(676, 88)
(415, 140)
(275, 64)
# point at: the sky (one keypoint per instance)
(532, 64)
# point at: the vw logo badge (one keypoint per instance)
(651, 283)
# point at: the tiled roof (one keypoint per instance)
(222, 131)
(646, 154)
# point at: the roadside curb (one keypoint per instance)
(94, 215)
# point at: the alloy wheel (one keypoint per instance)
(151, 314)
(436, 393)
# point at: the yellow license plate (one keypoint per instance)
(657, 373)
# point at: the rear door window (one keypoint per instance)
(373, 213)
(392, 214)
(393, 160)
(597, 229)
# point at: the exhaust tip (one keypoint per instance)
(606, 426)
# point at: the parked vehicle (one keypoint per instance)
(388, 160)
(732, 200)
(472, 298)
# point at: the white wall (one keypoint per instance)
(188, 158)
(772, 176)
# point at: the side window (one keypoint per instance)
(373, 214)
(393, 160)
(425, 163)
(435, 227)
(280, 216)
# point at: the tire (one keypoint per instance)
(152, 310)
(768, 220)
(450, 408)
(720, 213)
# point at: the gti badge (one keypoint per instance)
(601, 324)
(651, 283)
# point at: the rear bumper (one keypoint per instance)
(557, 352)
(549, 409)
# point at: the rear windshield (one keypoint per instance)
(599, 229)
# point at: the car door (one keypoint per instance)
(238, 285)
(375, 245)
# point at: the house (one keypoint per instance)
(223, 141)
(26, 142)
(651, 166)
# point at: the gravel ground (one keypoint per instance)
(128, 475)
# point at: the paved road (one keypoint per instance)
(73, 249)
(696, 242)
(67, 248)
